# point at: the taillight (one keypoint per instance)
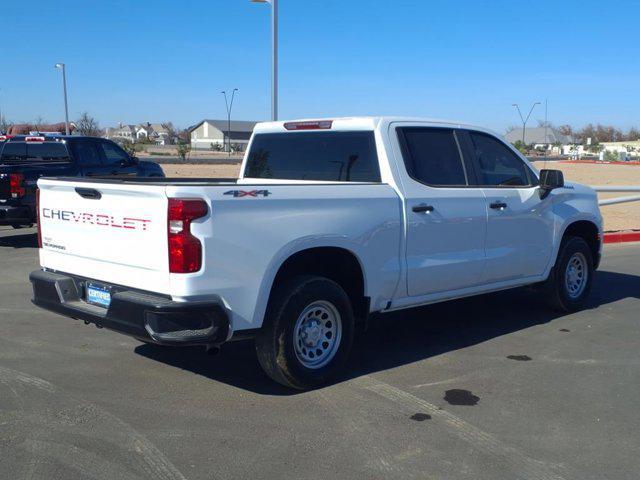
(16, 180)
(34, 139)
(38, 217)
(185, 250)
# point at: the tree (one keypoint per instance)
(88, 126)
(566, 130)
(633, 135)
(173, 132)
(521, 147)
(183, 150)
(127, 146)
(38, 122)
(4, 124)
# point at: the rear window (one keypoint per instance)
(14, 152)
(47, 152)
(324, 156)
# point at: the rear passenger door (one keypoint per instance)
(446, 213)
(520, 225)
(88, 156)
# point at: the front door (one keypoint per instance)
(446, 215)
(116, 159)
(520, 225)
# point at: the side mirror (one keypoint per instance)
(550, 180)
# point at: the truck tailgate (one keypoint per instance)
(114, 232)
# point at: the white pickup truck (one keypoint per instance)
(329, 221)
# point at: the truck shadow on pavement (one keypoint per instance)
(23, 240)
(405, 337)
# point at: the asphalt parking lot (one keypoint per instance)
(495, 387)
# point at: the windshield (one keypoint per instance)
(323, 156)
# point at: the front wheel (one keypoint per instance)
(307, 333)
(570, 281)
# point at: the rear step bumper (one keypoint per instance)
(148, 317)
(16, 215)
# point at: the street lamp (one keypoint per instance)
(524, 120)
(274, 56)
(1, 121)
(229, 107)
(62, 67)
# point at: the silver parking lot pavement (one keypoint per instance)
(493, 387)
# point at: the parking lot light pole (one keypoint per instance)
(229, 107)
(62, 67)
(524, 120)
(274, 56)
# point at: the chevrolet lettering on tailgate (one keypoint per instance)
(102, 220)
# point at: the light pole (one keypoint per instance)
(229, 107)
(274, 56)
(62, 67)
(524, 120)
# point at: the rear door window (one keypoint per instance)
(497, 164)
(47, 152)
(432, 156)
(14, 152)
(86, 153)
(324, 156)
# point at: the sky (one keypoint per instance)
(466, 60)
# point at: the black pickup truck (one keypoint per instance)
(24, 159)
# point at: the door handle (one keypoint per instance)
(89, 193)
(498, 205)
(422, 208)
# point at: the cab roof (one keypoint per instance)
(358, 123)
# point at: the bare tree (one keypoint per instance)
(39, 122)
(566, 130)
(173, 132)
(633, 134)
(4, 124)
(88, 126)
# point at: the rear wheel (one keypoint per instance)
(570, 281)
(307, 333)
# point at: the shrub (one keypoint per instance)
(183, 150)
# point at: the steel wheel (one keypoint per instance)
(576, 275)
(317, 334)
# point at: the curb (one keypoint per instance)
(622, 237)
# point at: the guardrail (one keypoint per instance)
(618, 189)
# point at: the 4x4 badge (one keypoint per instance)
(249, 193)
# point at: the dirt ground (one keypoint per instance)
(625, 216)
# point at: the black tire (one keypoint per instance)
(559, 296)
(275, 343)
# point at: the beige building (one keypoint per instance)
(210, 133)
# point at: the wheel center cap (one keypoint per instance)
(312, 334)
